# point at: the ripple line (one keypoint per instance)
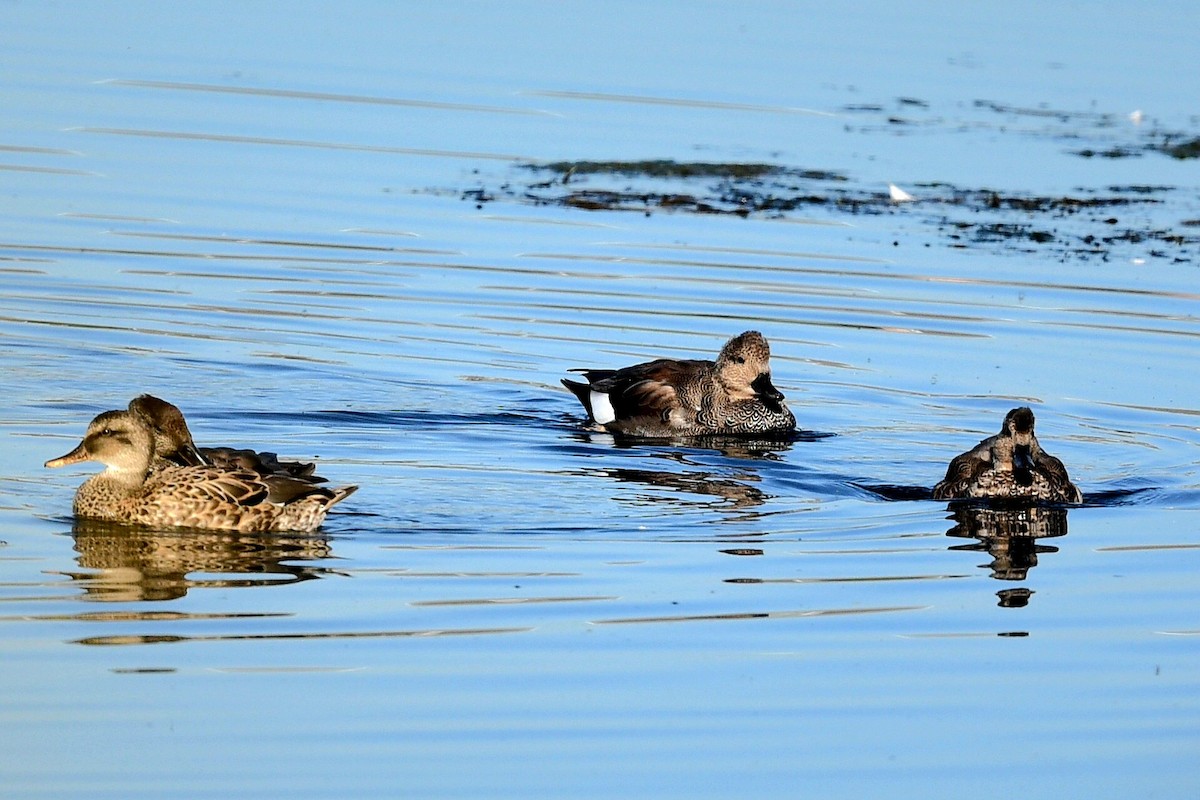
(322, 96)
(260, 637)
(827, 612)
(278, 142)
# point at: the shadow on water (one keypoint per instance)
(740, 472)
(748, 447)
(889, 491)
(122, 563)
(1123, 496)
(1107, 497)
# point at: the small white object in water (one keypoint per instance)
(1136, 117)
(899, 195)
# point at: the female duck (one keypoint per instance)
(1010, 465)
(130, 491)
(671, 398)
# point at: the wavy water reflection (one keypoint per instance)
(123, 563)
(1011, 537)
(758, 615)
(142, 639)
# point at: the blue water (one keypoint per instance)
(265, 214)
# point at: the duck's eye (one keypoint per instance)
(740, 359)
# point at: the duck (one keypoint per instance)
(174, 446)
(1010, 465)
(132, 490)
(670, 398)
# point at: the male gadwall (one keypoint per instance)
(1009, 465)
(673, 398)
(174, 446)
(131, 491)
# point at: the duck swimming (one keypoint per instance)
(132, 490)
(670, 398)
(1009, 465)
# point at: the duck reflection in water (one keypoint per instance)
(731, 492)
(736, 447)
(726, 468)
(124, 563)
(1010, 536)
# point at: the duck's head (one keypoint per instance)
(744, 367)
(1018, 428)
(172, 439)
(120, 440)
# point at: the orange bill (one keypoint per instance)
(73, 457)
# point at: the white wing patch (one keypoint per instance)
(602, 409)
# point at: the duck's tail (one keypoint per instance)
(582, 392)
(339, 494)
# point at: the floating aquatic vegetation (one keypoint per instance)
(1086, 224)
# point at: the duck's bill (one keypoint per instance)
(1023, 465)
(73, 457)
(771, 397)
(191, 457)
(1022, 457)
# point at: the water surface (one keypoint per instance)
(320, 234)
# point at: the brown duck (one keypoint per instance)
(1010, 465)
(133, 491)
(670, 398)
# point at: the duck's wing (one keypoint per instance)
(963, 471)
(1056, 473)
(1051, 466)
(272, 464)
(283, 489)
(650, 389)
(264, 464)
(227, 487)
